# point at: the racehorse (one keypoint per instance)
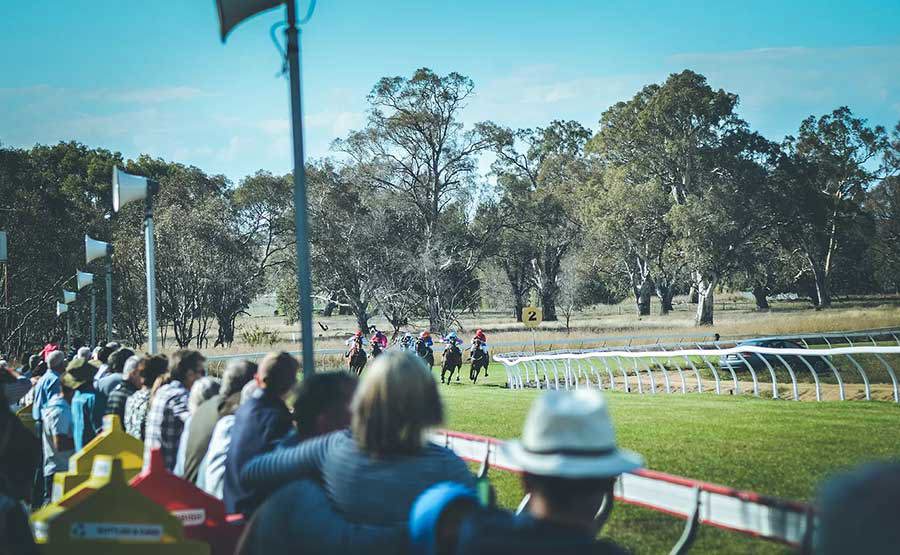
(424, 351)
(376, 349)
(479, 361)
(357, 356)
(451, 360)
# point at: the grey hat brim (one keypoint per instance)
(572, 466)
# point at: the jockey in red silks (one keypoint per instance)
(425, 337)
(380, 339)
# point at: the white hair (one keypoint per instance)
(85, 353)
(248, 390)
(203, 389)
(130, 366)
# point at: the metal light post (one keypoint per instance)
(126, 188)
(68, 298)
(4, 259)
(83, 279)
(94, 249)
(231, 13)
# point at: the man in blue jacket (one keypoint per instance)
(258, 424)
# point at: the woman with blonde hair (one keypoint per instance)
(375, 470)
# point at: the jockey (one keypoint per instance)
(425, 337)
(482, 339)
(407, 343)
(358, 336)
(380, 338)
(452, 339)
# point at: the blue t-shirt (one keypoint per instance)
(57, 421)
(47, 388)
(87, 417)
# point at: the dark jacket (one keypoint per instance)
(258, 424)
(493, 532)
(203, 422)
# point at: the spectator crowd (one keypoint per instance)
(337, 464)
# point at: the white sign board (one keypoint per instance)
(116, 531)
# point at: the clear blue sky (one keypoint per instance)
(153, 77)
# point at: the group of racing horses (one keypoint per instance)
(451, 357)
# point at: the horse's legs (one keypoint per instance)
(458, 371)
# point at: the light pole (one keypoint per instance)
(126, 188)
(231, 13)
(68, 298)
(83, 279)
(94, 249)
(4, 259)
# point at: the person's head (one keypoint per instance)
(105, 351)
(132, 370)
(204, 388)
(151, 368)
(569, 457)
(277, 373)
(117, 359)
(186, 366)
(395, 404)
(79, 375)
(236, 376)
(84, 352)
(33, 362)
(56, 361)
(248, 390)
(322, 403)
(858, 511)
(40, 369)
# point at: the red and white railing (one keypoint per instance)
(744, 512)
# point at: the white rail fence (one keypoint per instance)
(627, 370)
(744, 512)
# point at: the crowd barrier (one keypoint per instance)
(640, 370)
(744, 512)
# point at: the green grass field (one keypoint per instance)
(780, 448)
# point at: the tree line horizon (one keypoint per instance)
(672, 194)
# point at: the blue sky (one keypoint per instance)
(153, 77)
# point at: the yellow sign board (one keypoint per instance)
(532, 316)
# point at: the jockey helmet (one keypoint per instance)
(357, 334)
(425, 334)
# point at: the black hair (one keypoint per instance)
(154, 367)
(318, 394)
(183, 361)
(117, 359)
(561, 492)
(103, 354)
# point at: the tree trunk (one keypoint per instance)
(706, 300)
(519, 300)
(548, 303)
(823, 294)
(760, 292)
(362, 320)
(693, 298)
(642, 298)
(665, 293)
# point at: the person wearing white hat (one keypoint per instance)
(570, 463)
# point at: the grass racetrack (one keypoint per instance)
(775, 447)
